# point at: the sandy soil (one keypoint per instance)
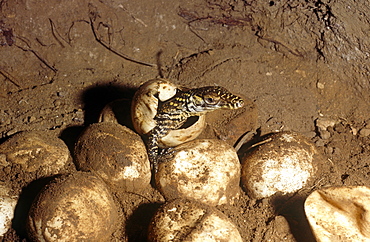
(298, 62)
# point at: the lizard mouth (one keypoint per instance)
(189, 122)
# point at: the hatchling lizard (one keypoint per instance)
(173, 113)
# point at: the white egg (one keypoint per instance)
(7, 207)
(78, 207)
(284, 164)
(207, 170)
(116, 154)
(190, 221)
(339, 213)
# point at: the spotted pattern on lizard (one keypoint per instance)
(173, 113)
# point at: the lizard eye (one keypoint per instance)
(210, 100)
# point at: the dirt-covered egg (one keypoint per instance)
(284, 163)
(186, 220)
(339, 213)
(30, 155)
(144, 108)
(24, 158)
(207, 170)
(116, 154)
(77, 207)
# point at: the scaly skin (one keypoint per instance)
(173, 113)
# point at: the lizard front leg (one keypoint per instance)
(153, 150)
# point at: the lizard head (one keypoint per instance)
(210, 98)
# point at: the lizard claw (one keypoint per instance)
(154, 166)
(166, 154)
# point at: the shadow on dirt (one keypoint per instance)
(292, 209)
(96, 97)
(138, 223)
(70, 136)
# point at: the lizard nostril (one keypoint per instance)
(239, 103)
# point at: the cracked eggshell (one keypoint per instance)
(144, 108)
(207, 170)
(339, 213)
(285, 164)
(186, 220)
(77, 207)
(35, 152)
(7, 207)
(116, 154)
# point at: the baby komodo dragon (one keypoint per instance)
(173, 113)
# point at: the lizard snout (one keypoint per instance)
(237, 103)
